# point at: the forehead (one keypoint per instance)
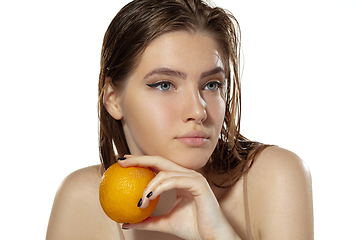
(182, 51)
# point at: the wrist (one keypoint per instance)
(224, 232)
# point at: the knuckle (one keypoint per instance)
(161, 175)
(200, 178)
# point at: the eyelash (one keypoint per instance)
(159, 84)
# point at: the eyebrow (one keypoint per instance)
(174, 73)
(166, 71)
(213, 72)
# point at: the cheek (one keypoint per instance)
(216, 110)
(160, 114)
(149, 121)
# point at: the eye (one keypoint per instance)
(212, 86)
(162, 86)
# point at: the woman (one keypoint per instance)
(169, 99)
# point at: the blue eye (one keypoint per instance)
(212, 86)
(163, 86)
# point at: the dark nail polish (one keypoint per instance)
(120, 159)
(140, 202)
(149, 194)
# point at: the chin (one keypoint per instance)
(191, 161)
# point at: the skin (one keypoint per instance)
(155, 118)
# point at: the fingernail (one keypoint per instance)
(140, 202)
(149, 194)
(120, 159)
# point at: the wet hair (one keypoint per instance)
(138, 24)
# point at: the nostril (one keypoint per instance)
(194, 109)
(199, 118)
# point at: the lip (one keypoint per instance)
(194, 138)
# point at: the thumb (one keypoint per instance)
(156, 223)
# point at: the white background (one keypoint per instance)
(300, 87)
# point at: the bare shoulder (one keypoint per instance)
(278, 162)
(76, 212)
(280, 196)
(86, 178)
(81, 183)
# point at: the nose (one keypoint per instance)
(194, 108)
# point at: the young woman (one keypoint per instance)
(169, 99)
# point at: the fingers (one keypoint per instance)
(157, 223)
(192, 184)
(169, 176)
(154, 162)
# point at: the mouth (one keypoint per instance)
(194, 138)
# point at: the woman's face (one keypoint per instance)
(172, 105)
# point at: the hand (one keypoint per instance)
(196, 213)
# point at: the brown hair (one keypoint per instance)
(131, 31)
